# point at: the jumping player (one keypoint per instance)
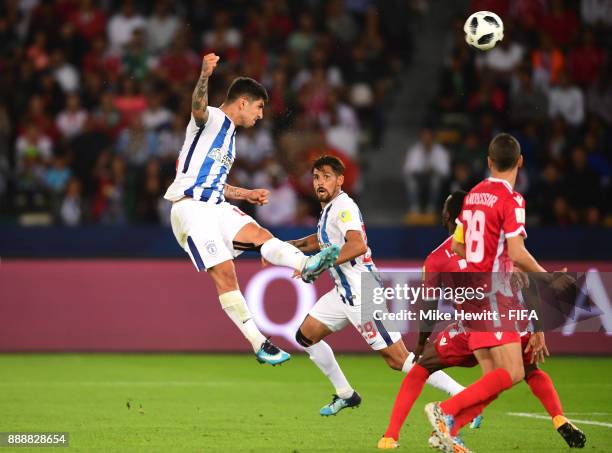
(451, 349)
(341, 224)
(493, 219)
(212, 231)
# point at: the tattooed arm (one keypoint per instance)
(254, 196)
(199, 98)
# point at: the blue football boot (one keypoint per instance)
(317, 264)
(338, 404)
(269, 353)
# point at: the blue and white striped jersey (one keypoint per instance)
(341, 215)
(205, 160)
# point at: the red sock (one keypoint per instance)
(411, 388)
(467, 415)
(491, 384)
(544, 389)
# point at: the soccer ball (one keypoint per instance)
(483, 30)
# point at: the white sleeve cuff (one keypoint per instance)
(520, 230)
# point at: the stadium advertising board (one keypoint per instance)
(164, 305)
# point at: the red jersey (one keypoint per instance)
(439, 263)
(492, 212)
(443, 259)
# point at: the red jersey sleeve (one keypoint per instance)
(431, 276)
(513, 222)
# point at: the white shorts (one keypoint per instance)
(336, 315)
(206, 231)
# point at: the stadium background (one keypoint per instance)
(95, 97)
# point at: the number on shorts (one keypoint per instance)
(368, 331)
(474, 235)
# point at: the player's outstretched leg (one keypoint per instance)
(282, 253)
(543, 388)
(235, 306)
(317, 264)
(310, 336)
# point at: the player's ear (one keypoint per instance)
(340, 180)
(489, 162)
(520, 161)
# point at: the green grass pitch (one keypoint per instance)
(229, 403)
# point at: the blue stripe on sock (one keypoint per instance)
(196, 255)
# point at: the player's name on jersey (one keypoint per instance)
(483, 198)
(438, 315)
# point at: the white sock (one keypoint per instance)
(408, 363)
(234, 304)
(282, 253)
(439, 379)
(444, 382)
(323, 356)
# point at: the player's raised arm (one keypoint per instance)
(199, 98)
(306, 244)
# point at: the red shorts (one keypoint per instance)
(452, 347)
(479, 340)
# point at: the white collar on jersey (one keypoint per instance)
(333, 199)
(503, 181)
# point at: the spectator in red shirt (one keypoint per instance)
(130, 102)
(99, 60)
(585, 61)
(88, 20)
(179, 65)
(561, 23)
(37, 52)
(488, 98)
(499, 7)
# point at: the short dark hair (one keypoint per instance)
(245, 86)
(336, 164)
(504, 151)
(454, 204)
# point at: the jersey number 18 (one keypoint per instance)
(474, 235)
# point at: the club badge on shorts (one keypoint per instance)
(211, 247)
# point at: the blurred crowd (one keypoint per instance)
(549, 83)
(96, 95)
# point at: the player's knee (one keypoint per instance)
(517, 374)
(224, 278)
(302, 339)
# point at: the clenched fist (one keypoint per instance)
(209, 63)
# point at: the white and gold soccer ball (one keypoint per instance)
(483, 30)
